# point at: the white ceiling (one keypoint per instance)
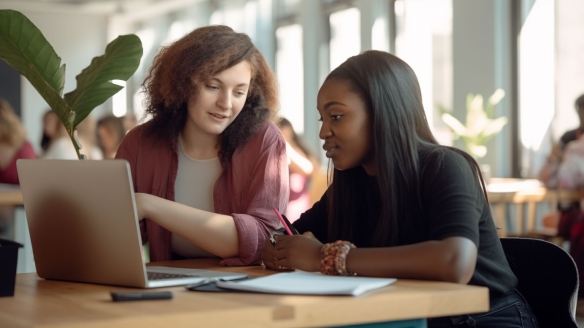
(96, 6)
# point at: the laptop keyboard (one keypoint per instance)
(162, 276)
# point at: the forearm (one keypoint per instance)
(298, 163)
(452, 259)
(216, 233)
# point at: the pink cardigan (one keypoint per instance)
(256, 182)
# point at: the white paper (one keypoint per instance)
(306, 283)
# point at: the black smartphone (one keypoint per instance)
(140, 296)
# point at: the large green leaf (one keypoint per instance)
(23, 46)
(120, 61)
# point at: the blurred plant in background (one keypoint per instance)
(481, 124)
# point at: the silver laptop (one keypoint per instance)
(83, 226)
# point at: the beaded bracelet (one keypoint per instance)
(334, 258)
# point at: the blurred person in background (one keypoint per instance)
(110, 133)
(13, 146)
(50, 125)
(13, 143)
(556, 158)
(564, 169)
(58, 143)
(301, 165)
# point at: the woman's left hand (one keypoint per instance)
(297, 252)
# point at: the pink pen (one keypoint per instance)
(283, 222)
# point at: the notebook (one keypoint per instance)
(83, 226)
(307, 283)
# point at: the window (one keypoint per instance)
(290, 74)
(536, 85)
(424, 41)
(345, 27)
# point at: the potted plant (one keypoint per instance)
(23, 46)
(481, 124)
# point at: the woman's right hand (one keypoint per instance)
(142, 202)
(293, 252)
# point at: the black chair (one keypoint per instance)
(548, 279)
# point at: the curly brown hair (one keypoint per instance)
(179, 68)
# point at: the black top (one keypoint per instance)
(453, 206)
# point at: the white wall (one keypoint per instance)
(481, 65)
(569, 63)
(536, 85)
(76, 38)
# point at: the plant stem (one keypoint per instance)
(76, 144)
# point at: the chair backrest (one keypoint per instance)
(548, 279)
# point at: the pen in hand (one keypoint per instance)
(287, 225)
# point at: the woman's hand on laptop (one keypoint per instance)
(216, 233)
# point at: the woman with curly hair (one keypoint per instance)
(210, 166)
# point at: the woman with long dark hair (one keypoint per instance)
(399, 205)
(210, 166)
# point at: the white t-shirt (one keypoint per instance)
(193, 187)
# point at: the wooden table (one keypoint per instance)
(502, 192)
(44, 303)
(10, 195)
